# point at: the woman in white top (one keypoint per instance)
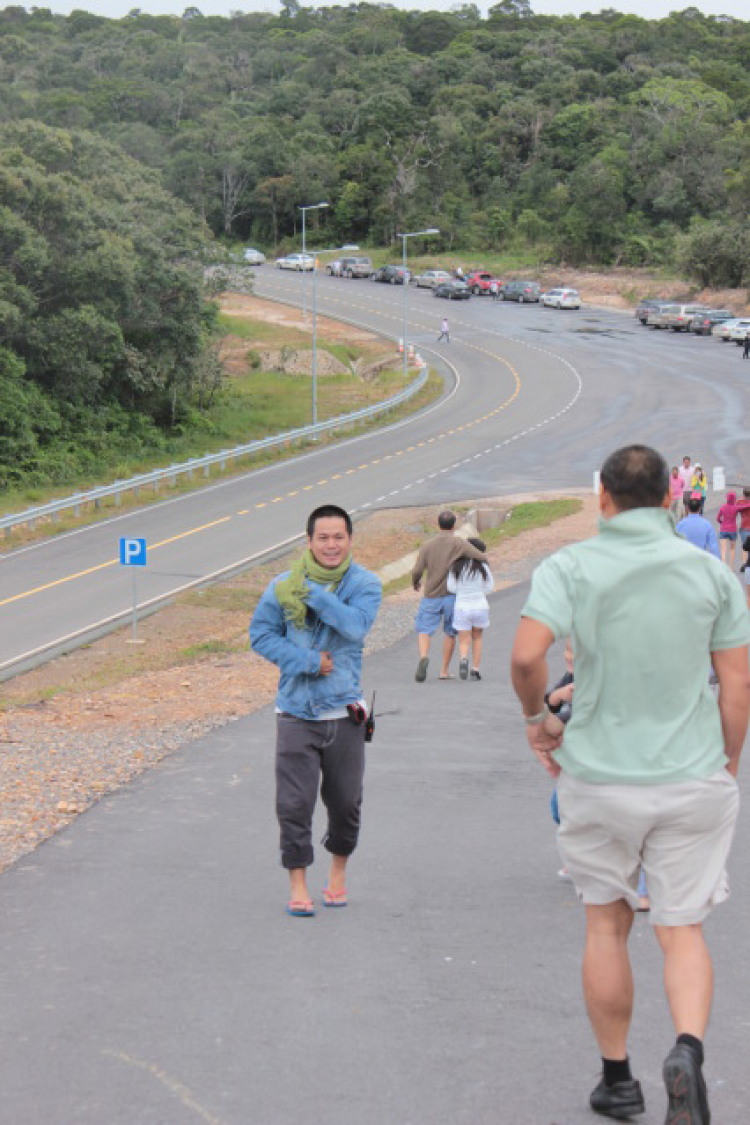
(471, 581)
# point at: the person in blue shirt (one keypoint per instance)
(698, 530)
(312, 622)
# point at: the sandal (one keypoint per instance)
(335, 899)
(301, 908)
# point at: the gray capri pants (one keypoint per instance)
(305, 750)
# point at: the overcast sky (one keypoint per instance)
(652, 9)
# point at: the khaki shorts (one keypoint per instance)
(680, 833)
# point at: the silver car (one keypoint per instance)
(296, 262)
(679, 317)
(253, 257)
(430, 278)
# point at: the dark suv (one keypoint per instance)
(521, 291)
(392, 274)
(702, 323)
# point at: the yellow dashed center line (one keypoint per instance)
(109, 563)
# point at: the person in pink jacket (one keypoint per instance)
(727, 521)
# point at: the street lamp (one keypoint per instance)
(304, 210)
(347, 249)
(403, 237)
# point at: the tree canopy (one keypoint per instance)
(610, 133)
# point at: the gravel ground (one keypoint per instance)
(59, 756)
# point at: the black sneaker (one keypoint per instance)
(474, 675)
(686, 1088)
(421, 673)
(621, 1100)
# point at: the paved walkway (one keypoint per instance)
(151, 977)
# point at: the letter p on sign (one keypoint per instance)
(132, 552)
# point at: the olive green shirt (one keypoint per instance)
(644, 609)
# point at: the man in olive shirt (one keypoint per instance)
(647, 765)
(436, 556)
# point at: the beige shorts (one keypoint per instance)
(680, 833)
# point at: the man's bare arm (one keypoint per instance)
(528, 670)
(528, 663)
(731, 669)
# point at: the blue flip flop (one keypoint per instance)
(301, 908)
(336, 901)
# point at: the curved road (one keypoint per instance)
(541, 397)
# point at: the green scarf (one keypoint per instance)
(292, 591)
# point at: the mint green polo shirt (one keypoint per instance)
(644, 609)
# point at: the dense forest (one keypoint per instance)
(126, 144)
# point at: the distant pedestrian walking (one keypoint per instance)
(746, 348)
(436, 556)
(698, 530)
(444, 333)
(471, 581)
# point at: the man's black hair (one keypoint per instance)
(694, 504)
(325, 512)
(636, 476)
(447, 520)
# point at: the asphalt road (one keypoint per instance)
(540, 397)
(151, 977)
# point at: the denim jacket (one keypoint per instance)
(337, 623)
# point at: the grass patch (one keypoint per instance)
(528, 517)
(207, 648)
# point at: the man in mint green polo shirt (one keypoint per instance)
(647, 765)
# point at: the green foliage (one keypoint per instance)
(716, 253)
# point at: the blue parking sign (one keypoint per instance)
(132, 552)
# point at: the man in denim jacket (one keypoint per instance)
(312, 622)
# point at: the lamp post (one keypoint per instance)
(331, 250)
(403, 237)
(304, 210)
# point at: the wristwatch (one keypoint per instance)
(536, 720)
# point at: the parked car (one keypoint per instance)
(521, 291)
(357, 267)
(703, 323)
(253, 257)
(647, 304)
(653, 317)
(480, 282)
(740, 330)
(453, 290)
(430, 278)
(561, 299)
(392, 274)
(723, 330)
(678, 317)
(296, 262)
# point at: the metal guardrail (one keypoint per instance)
(170, 474)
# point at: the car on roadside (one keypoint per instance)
(703, 323)
(253, 257)
(722, 330)
(453, 290)
(358, 266)
(430, 278)
(648, 304)
(739, 330)
(525, 292)
(296, 262)
(560, 299)
(480, 282)
(679, 317)
(392, 275)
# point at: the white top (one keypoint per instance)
(471, 588)
(686, 476)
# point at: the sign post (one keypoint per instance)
(133, 554)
